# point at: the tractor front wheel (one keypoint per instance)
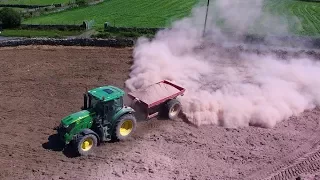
(124, 127)
(85, 144)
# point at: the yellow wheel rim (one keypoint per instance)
(87, 144)
(126, 128)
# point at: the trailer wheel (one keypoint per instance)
(173, 108)
(124, 127)
(85, 144)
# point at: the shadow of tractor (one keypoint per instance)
(55, 144)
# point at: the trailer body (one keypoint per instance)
(152, 98)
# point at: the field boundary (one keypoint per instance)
(286, 42)
(292, 41)
(54, 26)
(132, 29)
(26, 6)
(69, 42)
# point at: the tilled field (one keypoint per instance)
(40, 85)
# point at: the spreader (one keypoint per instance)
(105, 117)
(158, 99)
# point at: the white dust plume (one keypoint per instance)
(231, 91)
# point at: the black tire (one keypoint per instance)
(81, 142)
(124, 127)
(172, 109)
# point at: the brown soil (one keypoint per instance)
(41, 85)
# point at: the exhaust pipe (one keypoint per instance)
(85, 101)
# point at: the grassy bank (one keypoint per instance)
(38, 33)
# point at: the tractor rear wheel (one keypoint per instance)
(172, 109)
(85, 144)
(124, 127)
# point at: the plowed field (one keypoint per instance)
(41, 85)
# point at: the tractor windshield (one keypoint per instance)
(104, 108)
(93, 101)
(96, 104)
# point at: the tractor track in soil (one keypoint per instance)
(42, 84)
(306, 159)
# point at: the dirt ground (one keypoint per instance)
(41, 85)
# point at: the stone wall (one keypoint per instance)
(304, 43)
(290, 41)
(68, 42)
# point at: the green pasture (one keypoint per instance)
(308, 13)
(38, 33)
(160, 13)
(127, 13)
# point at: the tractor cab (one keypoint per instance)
(104, 101)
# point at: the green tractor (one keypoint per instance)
(102, 118)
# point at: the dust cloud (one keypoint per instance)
(226, 90)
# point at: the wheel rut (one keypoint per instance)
(307, 164)
(305, 159)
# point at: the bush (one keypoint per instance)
(129, 34)
(10, 18)
(82, 2)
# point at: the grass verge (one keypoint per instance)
(38, 33)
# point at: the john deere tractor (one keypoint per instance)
(102, 118)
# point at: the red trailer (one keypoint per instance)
(158, 99)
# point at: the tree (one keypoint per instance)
(10, 18)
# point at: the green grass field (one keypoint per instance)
(128, 13)
(160, 13)
(37, 33)
(33, 2)
(307, 12)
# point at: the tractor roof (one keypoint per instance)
(107, 92)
